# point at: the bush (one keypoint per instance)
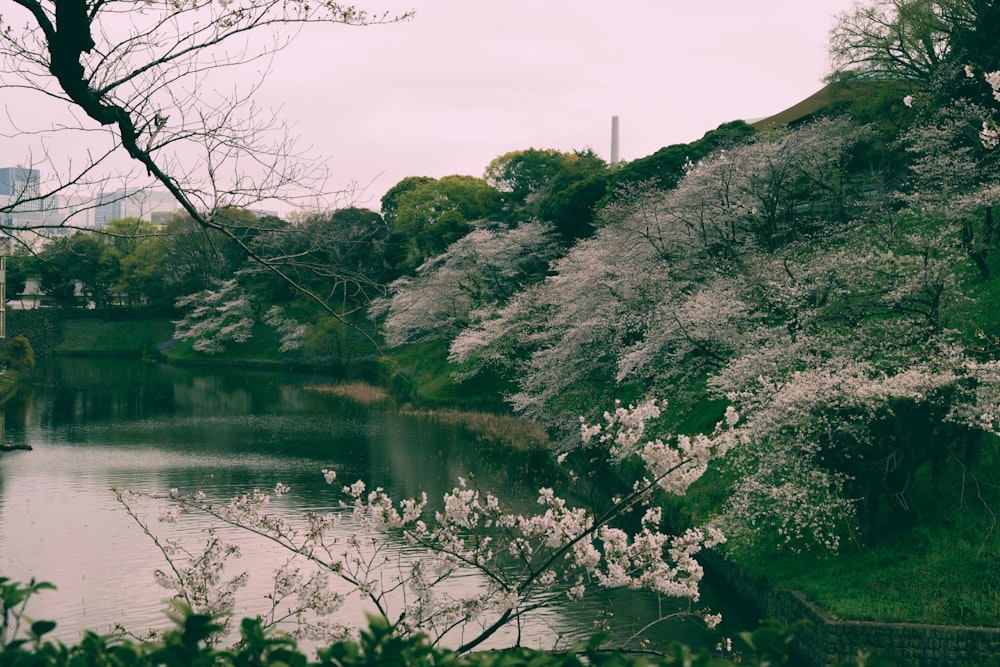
(19, 354)
(192, 643)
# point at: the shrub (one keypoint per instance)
(19, 354)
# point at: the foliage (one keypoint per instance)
(666, 166)
(518, 175)
(19, 354)
(20, 267)
(63, 262)
(378, 644)
(197, 256)
(434, 214)
(339, 255)
(571, 198)
(390, 200)
(897, 39)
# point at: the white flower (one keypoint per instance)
(908, 100)
(990, 135)
(993, 78)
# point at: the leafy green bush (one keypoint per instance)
(192, 643)
(19, 354)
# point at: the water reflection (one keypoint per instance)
(151, 428)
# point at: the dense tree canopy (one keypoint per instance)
(666, 166)
(434, 214)
(519, 174)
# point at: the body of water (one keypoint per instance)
(150, 428)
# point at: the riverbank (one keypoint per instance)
(418, 374)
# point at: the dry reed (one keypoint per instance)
(515, 432)
(357, 391)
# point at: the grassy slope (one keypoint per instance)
(127, 338)
(427, 374)
(943, 568)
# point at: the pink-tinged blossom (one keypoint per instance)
(993, 78)
(520, 560)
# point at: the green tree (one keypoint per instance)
(975, 40)
(133, 260)
(339, 255)
(390, 200)
(571, 196)
(197, 256)
(433, 215)
(519, 174)
(667, 165)
(19, 354)
(144, 275)
(21, 265)
(78, 258)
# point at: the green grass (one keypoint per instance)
(425, 369)
(261, 349)
(127, 338)
(919, 578)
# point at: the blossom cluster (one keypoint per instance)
(990, 133)
(517, 562)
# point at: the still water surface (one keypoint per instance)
(147, 427)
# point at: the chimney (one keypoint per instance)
(614, 141)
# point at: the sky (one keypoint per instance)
(466, 81)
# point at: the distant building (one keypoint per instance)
(23, 209)
(20, 183)
(152, 205)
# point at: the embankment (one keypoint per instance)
(828, 640)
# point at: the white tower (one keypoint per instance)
(614, 141)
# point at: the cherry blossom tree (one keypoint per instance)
(666, 288)
(478, 272)
(834, 337)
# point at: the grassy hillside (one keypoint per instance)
(102, 337)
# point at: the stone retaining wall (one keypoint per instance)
(830, 640)
(41, 326)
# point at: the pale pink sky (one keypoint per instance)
(465, 81)
(468, 80)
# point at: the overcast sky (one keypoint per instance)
(467, 80)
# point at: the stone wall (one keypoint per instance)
(41, 326)
(831, 640)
